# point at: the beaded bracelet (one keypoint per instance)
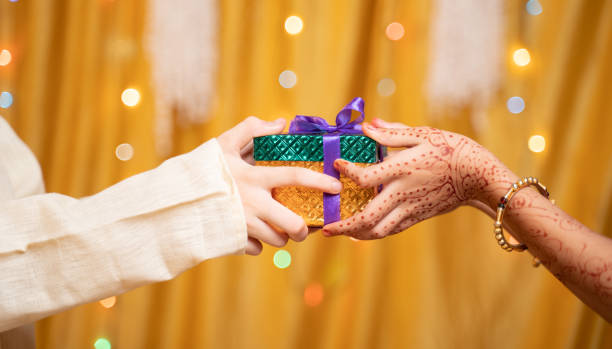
(498, 230)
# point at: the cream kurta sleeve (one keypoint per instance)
(57, 252)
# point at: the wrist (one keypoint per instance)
(479, 176)
(498, 181)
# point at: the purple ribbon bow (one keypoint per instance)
(302, 124)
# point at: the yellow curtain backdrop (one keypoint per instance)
(442, 284)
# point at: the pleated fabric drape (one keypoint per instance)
(442, 284)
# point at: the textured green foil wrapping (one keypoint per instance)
(353, 148)
(307, 151)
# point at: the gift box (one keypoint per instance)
(314, 144)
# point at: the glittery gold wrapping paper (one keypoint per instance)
(308, 203)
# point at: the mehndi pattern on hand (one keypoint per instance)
(437, 172)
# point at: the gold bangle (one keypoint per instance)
(497, 226)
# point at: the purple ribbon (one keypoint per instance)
(302, 124)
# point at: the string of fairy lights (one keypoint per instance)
(314, 292)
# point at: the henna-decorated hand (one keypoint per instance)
(438, 172)
(442, 170)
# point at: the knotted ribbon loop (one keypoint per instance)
(302, 124)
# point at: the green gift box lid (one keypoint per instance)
(309, 147)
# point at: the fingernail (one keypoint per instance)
(337, 186)
(326, 232)
(305, 231)
(340, 162)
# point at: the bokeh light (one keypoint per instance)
(395, 31)
(515, 105)
(282, 259)
(287, 79)
(102, 343)
(130, 97)
(294, 25)
(313, 294)
(108, 302)
(5, 57)
(521, 57)
(533, 7)
(386, 87)
(6, 99)
(124, 151)
(537, 143)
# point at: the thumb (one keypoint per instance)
(241, 134)
(396, 137)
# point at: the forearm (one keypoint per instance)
(57, 252)
(580, 258)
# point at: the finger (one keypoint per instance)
(416, 214)
(261, 231)
(249, 159)
(246, 153)
(373, 213)
(371, 176)
(385, 124)
(285, 176)
(248, 148)
(388, 224)
(284, 219)
(253, 247)
(365, 177)
(397, 137)
(405, 224)
(241, 134)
